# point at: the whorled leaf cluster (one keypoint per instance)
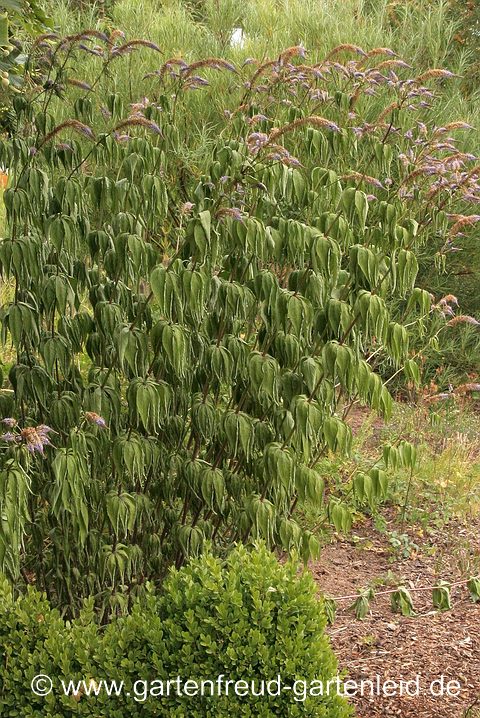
(195, 336)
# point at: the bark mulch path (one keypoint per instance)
(394, 647)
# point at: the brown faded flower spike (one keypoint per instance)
(346, 48)
(314, 120)
(435, 74)
(94, 418)
(214, 63)
(132, 44)
(74, 125)
(116, 34)
(390, 108)
(449, 299)
(363, 178)
(458, 125)
(79, 83)
(466, 388)
(139, 121)
(387, 64)
(260, 70)
(465, 221)
(295, 51)
(381, 51)
(41, 39)
(232, 212)
(86, 34)
(463, 319)
(172, 62)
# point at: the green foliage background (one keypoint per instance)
(208, 260)
(449, 39)
(209, 263)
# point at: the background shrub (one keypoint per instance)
(195, 305)
(247, 618)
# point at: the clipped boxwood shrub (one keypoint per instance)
(248, 618)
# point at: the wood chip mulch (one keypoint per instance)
(393, 647)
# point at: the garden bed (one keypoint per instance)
(396, 647)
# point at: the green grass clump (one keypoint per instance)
(427, 35)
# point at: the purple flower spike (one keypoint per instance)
(187, 207)
(95, 418)
(33, 440)
(9, 436)
(233, 212)
(43, 430)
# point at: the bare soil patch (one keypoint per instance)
(430, 645)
